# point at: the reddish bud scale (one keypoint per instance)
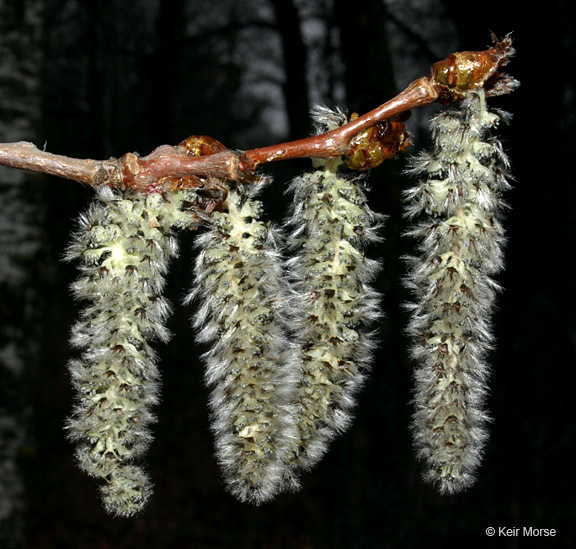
(369, 148)
(463, 72)
(201, 145)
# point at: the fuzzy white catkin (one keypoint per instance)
(124, 243)
(241, 300)
(333, 303)
(456, 210)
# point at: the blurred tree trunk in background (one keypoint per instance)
(19, 244)
(170, 23)
(369, 75)
(295, 55)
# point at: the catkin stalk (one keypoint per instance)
(456, 210)
(241, 297)
(124, 244)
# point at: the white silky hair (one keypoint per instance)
(124, 244)
(333, 304)
(456, 211)
(241, 315)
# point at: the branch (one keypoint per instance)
(27, 156)
(336, 143)
(364, 142)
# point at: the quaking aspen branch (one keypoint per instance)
(27, 156)
(201, 162)
(286, 312)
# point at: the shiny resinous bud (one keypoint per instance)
(456, 210)
(241, 300)
(333, 303)
(124, 243)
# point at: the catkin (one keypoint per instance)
(333, 303)
(455, 210)
(241, 301)
(124, 243)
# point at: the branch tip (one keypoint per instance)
(463, 72)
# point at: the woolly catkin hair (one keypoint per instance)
(456, 209)
(332, 303)
(124, 243)
(241, 297)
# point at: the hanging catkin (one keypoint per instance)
(332, 302)
(456, 210)
(241, 301)
(124, 243)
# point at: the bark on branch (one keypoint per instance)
(364, 142)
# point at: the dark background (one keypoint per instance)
(112, 77)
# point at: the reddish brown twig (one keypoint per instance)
(335, 143)
(197, 160)
(450, 80)
(167, 161)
